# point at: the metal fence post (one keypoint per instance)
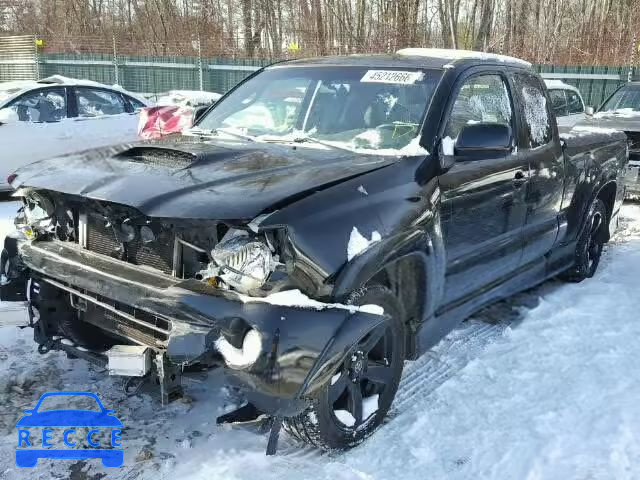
(115, 62)
(36, 57)
(200, 72)
(633, 57)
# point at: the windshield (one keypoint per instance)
(625, 99)
(357, 108)
(7, 91)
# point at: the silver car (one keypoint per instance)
(567, 102)
(58, 116)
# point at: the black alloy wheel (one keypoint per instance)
(590, 244)
(356, 398)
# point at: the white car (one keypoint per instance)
(58, 116)
(567, 103)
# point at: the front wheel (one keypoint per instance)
(359, 394)
(590, 244)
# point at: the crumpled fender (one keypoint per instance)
(301, 347)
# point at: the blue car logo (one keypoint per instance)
(28, 451)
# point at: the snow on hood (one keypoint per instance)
(593, 129)
(190, 98)
(9, 89)
(620, 113)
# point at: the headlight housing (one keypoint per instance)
(37, 215)
(241, 261)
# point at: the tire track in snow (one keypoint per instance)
(451, 355)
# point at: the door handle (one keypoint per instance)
(520, 178)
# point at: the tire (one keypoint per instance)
(590, 244)
(337, 418)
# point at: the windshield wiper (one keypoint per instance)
(305, 139)
(217, 131)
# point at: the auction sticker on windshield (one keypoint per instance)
(401, 77)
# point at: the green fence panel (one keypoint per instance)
(593, 90)
(158, 74)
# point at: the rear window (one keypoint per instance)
(533, 111)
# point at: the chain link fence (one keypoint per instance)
(154, 68)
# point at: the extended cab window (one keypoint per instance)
(482, 99)
(533, 111)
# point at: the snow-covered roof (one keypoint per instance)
(559, 84)
(453, 54)
(187, 98)
(9, 90)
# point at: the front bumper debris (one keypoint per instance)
(301, 347)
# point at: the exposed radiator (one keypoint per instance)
(158, 254)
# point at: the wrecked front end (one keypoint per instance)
(152, 297)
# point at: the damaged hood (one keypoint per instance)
(185, 177)
(618, 121)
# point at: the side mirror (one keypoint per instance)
(483, 139)
(589, 111)
(7, 116)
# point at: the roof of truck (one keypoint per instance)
(412, 57)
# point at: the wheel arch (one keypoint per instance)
(607, 193)
(410, 266)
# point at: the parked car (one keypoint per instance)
(325, 221)
(621, 111)
(58, 115)
(173, 112)
(567, 102)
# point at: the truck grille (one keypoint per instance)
(102, 239)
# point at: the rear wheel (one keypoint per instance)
(357, 398)
(590, 244)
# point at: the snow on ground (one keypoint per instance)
(542, 386)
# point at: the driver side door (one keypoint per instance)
(484, 197)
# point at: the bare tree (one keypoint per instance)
(588, 32)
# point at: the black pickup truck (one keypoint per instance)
(325, 221)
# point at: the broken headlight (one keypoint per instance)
(241, 262)
(37, 215)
